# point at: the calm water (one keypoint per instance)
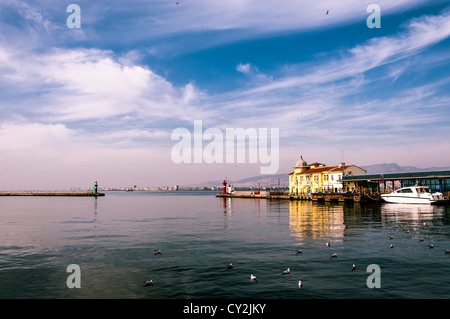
(113, 239)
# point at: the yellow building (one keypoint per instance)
(318, 177)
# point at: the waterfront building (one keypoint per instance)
(437, 181)
(318, 177)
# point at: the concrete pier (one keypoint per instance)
(66, 194)
(317, 197)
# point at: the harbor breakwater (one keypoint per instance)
(63, 194)
(326, 197)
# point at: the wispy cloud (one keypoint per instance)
(90, 84)
(56, 97)
(93, 84)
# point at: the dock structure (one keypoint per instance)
(437, 181)
(316, 197)
(62, 194)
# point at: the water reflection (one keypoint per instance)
(309, 220)
(414, 214)
(95, 212)
(410, 211)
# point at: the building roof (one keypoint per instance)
(317, 170)
(340, 168)
(317, 164)
(399, 176)
(301, 163)
(322, 169)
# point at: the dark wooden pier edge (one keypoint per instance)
(317, 197)
(62, 194)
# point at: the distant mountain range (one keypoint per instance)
(395, 168)
(272, 180)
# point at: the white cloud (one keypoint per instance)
(82, 108)
(266, 16)
(243, 68)
(20, 137)
(418, 35)
(86, 84)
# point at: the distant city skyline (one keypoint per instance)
(99, 100)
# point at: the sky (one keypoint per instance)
(102, 101)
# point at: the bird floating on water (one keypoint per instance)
(431, 246)
(253, 277)
(300, 284)
(391, 246)
(158, 252)
(286, 272)
(299, 252)
(447, 251)
(333, 255)
(328, 244)
(230, 266)
(353, 267)
(421, 239)
(391, 237)
(148, 283)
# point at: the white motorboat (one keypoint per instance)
(414, 195)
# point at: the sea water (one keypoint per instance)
(113, 241)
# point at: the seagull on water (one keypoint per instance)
(421, 239)
(391, 237)
(299, 252)
(333, 255)
(447, 251)
(148, 283)
(300, 284)
(391, 246)
(158, 252)
(230, 266)
(286, 272)
(328, 244)
(253, 277)
(353, 267)
(431, 246)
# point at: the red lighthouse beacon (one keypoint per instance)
(224, 184)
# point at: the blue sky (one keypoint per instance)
(100, 102)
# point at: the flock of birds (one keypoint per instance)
(149, 283)
(287, 271)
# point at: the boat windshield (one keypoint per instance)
(422, 190)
